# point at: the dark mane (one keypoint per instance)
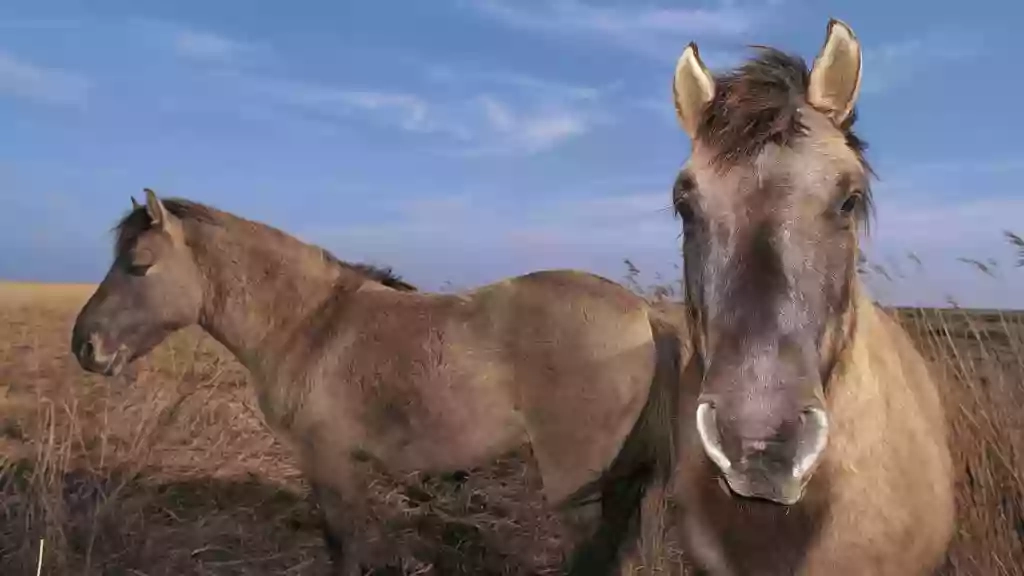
(758, 104)
(383, 274)
(137, 221)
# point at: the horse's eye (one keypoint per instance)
(850, 204)
(140, 261)
(138, 269)
(681, 196)
(684, 210)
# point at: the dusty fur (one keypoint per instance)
(359, 378)
(773, 199)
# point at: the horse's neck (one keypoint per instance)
(256, 289)
(857, 391)
(884, 365)
(859, 322)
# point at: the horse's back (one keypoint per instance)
(561, 359)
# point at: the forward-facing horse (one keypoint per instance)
(355, 369)
(820, 444)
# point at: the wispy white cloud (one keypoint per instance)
(652, 30)
(514, 112)
(210, 47)
(411, 110)
(499, 128)
(198, 45)
(408, 111)
(472, 111)
(554, 88)
(466, 75)
(499, 114)
(403, 110)
(23, 79)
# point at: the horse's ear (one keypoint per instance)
(835, 77)
(693, 87)
(155, 208)
(135, 204)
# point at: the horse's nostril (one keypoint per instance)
(86, 350)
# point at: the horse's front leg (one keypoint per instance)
(343, 514)
(606, 550)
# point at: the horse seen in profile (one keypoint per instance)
(355, 368)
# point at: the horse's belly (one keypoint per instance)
(442, 453)
(449, 434)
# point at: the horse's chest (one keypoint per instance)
(730, 536)
(279, 409)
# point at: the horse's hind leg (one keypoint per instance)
(341, 536)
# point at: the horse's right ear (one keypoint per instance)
(155, 208)
(693, 87)
(135, 204)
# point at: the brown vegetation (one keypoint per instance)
(168, 468)
(980, 355)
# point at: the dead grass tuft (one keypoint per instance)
(980, 354)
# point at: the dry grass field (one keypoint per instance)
(168, 469)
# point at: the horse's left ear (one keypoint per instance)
(835, 77)
(155, 208)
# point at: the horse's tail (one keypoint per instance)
(648, 455)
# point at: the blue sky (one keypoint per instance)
(467, 140)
